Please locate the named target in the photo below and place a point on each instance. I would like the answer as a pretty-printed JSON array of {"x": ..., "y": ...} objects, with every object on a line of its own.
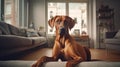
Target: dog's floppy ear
[
  {"x": 51, "y": 22},
  {"x": 71, "y": 22}
]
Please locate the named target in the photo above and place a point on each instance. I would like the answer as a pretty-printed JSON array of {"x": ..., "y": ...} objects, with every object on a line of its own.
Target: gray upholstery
[
  {"x": 13, "y": 40},
  {"x": 112, "y": 40},
  {"x": 19, "y": 63},
  {"x": 37, "y": 40},
  {"x": 4, "y": 28}
]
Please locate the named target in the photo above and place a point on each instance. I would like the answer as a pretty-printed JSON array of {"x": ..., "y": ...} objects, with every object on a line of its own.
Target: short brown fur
[{"x": 65, "y": 47}]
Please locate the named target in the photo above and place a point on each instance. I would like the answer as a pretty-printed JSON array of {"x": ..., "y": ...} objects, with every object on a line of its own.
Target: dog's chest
[
  {"x": 62, "y": 43},
  {"x": 64, "y": 48},
  {"x": 65, "y": 53}
]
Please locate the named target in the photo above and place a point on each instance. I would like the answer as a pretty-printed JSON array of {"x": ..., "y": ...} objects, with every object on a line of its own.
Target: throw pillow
[
  {"x": 32, "y": 33},
  {"x": 3, "y": 31},
  {"x": 22, "y": 32},
  {"x": 14, "y": 30},
  {"x": 41, "y": 33},
  {"x": 117, "y": 34},
  {"x": 4, "y": 28}
]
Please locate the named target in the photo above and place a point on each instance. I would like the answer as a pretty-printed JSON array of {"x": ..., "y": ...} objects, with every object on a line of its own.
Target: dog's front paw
[
  {"x": 34, "y": 65},
  {"x": 37, "y": 64}
]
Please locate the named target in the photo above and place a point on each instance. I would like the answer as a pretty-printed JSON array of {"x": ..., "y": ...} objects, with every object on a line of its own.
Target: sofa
[
  {"x": 112, "y": 40},
  {"x": 21, "y": 63},
  {"x": 14, "y": 40}
]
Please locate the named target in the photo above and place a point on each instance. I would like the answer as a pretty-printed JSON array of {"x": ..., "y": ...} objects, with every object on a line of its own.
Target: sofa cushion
[
  {"x": 23, "y": 32},
  {"x": 20, "y": 63},
  {"x": 14, "y": 30},
  {"x": 17, "y": 31},
  {"x": 117, "y": 35},
  {"x": 84, "y": 64},
  {"x": 12, "y": 41},
  {"x": 16, "y": 63},
  {"x": 32, "y": 33},
  {"x": 110, "y": 34},
  {"x": 4, "y": 28},
  {"x": 38, "y": 40},
  {"x": 41, "y": 33},
  {"x": 112, "y": 41},
  {"x": 3, "y": 31}
]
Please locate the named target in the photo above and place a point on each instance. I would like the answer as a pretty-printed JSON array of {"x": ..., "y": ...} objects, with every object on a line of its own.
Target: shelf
[{"x": 105, "y": 16}]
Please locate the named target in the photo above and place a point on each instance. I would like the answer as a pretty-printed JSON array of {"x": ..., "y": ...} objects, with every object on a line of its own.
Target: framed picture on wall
[{"x": 77, "y": 32}]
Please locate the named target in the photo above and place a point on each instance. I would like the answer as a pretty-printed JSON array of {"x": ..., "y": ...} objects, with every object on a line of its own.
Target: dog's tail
[{"x": 88, "y": 53}]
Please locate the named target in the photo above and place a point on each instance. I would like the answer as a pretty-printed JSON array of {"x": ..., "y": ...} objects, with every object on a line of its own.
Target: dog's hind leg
[
  {"x": 75, "y": 61},
  {"x": 88, "y": 53}
]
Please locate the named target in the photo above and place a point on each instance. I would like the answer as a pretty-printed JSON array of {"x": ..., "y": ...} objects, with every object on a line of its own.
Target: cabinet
[
  {"x": 105, "y": 18},
  {"x": 83, "y": 40}
]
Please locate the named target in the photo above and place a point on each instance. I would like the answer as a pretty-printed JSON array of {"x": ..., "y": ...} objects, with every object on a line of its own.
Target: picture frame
[{"x": 77, "y": 32}]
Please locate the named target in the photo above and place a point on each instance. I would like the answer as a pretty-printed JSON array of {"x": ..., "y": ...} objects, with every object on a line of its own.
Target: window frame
[{"x": 67, "y": 13}]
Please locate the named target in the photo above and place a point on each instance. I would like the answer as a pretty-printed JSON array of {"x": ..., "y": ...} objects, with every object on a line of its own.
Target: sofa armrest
[
  {"x": 58, "y": 64},
  {"x": 110, "y": 34},
  {"x": 112, "y": 41}
]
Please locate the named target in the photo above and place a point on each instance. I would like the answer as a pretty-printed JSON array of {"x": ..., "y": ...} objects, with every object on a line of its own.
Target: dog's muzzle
[{"x": 62, "y": 31}]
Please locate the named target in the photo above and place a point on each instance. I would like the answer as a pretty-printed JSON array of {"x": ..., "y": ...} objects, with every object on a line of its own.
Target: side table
[{"x": 83, "y": 40}]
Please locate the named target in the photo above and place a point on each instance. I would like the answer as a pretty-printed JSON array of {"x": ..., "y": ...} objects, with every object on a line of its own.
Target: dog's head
[{"x": 62, "y": 24}]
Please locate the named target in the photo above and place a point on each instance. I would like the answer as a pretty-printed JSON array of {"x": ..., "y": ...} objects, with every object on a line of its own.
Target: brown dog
[{"x": 65, "y": 47}]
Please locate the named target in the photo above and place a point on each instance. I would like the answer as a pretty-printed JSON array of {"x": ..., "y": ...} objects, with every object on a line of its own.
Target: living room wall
[
  {"x": 112, "y": 4},
  {"x": 37, "y": 13}
]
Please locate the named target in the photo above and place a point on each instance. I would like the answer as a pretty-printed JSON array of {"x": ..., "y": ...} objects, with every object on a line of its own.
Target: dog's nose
[{"x": 62, "y": 30}]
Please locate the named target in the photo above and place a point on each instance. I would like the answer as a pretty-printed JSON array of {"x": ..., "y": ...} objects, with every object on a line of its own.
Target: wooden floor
[{"x": 99, "y": 54}]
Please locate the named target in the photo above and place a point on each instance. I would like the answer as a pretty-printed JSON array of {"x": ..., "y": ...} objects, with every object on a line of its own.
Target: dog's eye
[{"x": 65, "y": 23}]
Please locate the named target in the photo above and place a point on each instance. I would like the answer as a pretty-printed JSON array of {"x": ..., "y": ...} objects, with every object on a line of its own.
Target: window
[
  {"x": 53, "y": 10},
  {"x": 16, "y": 12},
  {"x": 77, "y": 11},
  {"x": 10, "y": 11}
]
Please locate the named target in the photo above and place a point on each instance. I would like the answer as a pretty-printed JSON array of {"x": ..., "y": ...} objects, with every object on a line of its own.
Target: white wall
[{"x": 37, "y": 13}]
